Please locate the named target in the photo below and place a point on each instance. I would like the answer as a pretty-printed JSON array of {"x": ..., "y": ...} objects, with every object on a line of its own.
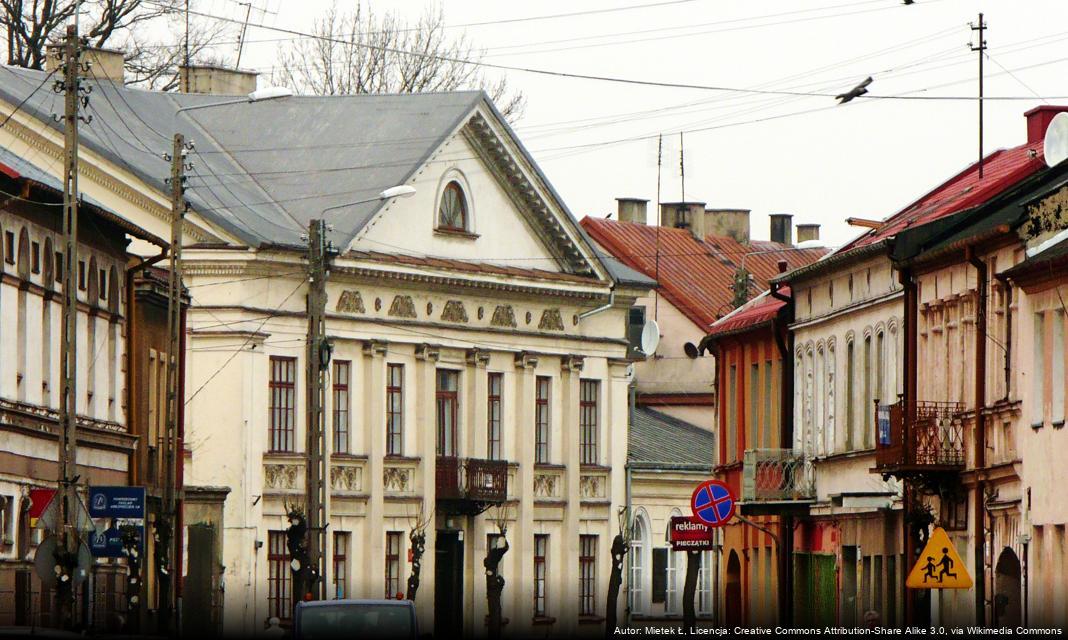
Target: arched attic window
[{"x": 452, "y": 208}]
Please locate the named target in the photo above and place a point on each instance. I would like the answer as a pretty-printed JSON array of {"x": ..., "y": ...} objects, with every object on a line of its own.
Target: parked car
[{"x": 355, "y": 619}]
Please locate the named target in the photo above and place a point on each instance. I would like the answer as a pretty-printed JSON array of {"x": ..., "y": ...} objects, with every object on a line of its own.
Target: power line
[{"x": 21, "y": 104}]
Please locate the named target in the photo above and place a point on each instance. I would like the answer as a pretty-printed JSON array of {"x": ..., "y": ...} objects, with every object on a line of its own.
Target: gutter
[
  {"x": 605, "y": 307},
  {"x": 967, "y": 244},
  {"x": 834, "y": 260}
]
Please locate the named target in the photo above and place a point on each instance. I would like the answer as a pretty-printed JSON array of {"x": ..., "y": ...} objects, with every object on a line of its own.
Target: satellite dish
[
  {"x": 1055, "y": 144},
  {"x": 44, "y": 561},
  {"x": 650, "y": 337},
  {"x": 691, "y": 350}
]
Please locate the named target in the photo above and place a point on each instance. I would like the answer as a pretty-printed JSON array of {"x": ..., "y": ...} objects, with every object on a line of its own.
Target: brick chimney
[
  {"x": 733, "y": 223},
  {"x": 632, "y": 210},
  {"x": 807, "y": 232},
  {"x": 684, "y": 215},
  {"x": 781, "y": 229},
  {"x": 216, "y": 81},
  {"x": 105, "y": 63},
  {"x": 1038, "y": 120}
]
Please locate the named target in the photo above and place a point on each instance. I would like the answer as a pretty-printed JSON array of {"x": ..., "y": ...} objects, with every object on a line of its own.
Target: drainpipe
[
  {"x": 980, "y": 431},
  {"x": 908, "y": 541},
  {"x": 604, "y": 307},
  {"x": 784, "y": 341},
  {"x": 632, "y": 397}
]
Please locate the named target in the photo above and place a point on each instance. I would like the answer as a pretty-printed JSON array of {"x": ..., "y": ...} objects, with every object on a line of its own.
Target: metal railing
[
  {"x": 935, "y": 438},
  {"x": 471, "y": 479},
  {"x": 777, "y": 475}
]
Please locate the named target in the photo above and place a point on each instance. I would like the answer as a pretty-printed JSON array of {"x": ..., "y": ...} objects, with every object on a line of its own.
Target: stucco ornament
[
  {"x": 545, "y": 485},
  {"x": 551, "y": 321},
  {"x": 503, "y": 316},
  {"x": 402, "y": 307},
  {"x": 346, "y": 478},
  {"x": 396, "y": 479},
  {"x": 454, "y": 311},
  {"x": 281, "y": 476},
  {"x": 350, "y": 302},
  {"x": 591, "y": 487}
]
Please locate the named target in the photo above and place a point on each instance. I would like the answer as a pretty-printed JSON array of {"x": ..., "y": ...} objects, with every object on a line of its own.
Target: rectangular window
[
  {"x": 704, "y": 585},
  {"x": 1038, "y": 403},
  {"x": 341, "y": 564},
  {"x": 1057, "y": 376},
  {"x": 732, "y": 415},
  {"x": 767, "y": 439},
  {"x": 279, "y": 592},
  {"x": 541, "y": 552},
  {"x": 671, "y": 590},
  {"x": 541, "y": 419},
  {"x": 588, "y": 423},
  {"x": 35, "y": 257},
  {"x": 395, "y": 410},
  {"x": 342, "y": 371},
  {"x": 751, "y": 422},
  {"x": 494, "y": 388},
  {"x": 587, "y": 575},
  {"x": 393, "y": 568},
  {"x": 283, "y": 403},
  {"x": 448, "y": 394},
  {"x": 103, "y": 284},
  {"x": 9, "y": 247},
  {"x": 850, "y": 418},
  {"x": 82, "y": 283},
  {"x": 868, "y": 409}
]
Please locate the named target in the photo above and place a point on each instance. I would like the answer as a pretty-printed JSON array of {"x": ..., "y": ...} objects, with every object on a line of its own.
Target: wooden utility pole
[
  {"x": 980, "y": 47},
  {"x": 68, "y": 542},
  {"x": 318, "y": 359},
  {"x": 167, "y": 525}
]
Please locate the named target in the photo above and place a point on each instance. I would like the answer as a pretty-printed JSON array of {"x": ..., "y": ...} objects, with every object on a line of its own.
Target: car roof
[{"x": 379, "y": 602}]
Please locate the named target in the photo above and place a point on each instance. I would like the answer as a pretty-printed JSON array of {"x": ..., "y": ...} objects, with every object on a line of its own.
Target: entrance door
[
  {"x": 448, "y": 585},
  {"x": 1007, "y": 589},
  {"x": 733, "y": 591}
]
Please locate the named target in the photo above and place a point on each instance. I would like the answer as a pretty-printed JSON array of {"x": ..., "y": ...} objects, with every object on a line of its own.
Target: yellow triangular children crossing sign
[{"x": 939, "y": 566}]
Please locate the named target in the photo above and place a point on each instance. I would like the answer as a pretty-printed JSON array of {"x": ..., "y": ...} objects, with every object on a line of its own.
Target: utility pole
[
  {"x": 168, "y": 522},
  {"x": 981, "y": 47},
  {"x": 75, "y": 95},
  {"x": 318, "y": 359}
]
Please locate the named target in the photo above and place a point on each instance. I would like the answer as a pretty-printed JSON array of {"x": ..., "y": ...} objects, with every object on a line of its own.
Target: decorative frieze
[
  {"x": 551, "y": 321},
  {"x": 546, "y": 485},
  {"x": 402, "y": 307},
  {"x": 592, "y": 486},
  {"x": 346, "y": 478},
  {"x": 503, "y": 316},
  {"x": 454, "y": 311},
  {"x": 397, "y": 479},
  {"x": 350, "y": 302},
  {"x": 282, "y": 476}
]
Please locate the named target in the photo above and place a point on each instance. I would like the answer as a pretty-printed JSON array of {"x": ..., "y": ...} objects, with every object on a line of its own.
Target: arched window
[
  {"x": 639, "y": 543},
  {"x": 829, "y": 398},
  {"x": 452, "y": 210},
  {"x": 673, "y": 577}
]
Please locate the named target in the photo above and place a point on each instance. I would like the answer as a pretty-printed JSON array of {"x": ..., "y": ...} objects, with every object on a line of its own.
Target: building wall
[{"x": 670, "y": 370}]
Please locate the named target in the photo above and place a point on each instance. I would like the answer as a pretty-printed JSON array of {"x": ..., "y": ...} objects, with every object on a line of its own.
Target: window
[
  {"x": 849, "y": 374},
  {"x": 452, "y": 212},
  {"x": 393, "y": 550},
  {"x": 9, "y": 247},
  {"x": 103, "y": 284},
  {"x": 279, "y": 592},
  {"x": 1057, "y": 375},
  {"x": 35, "y": 257},
  {"x": 82, "y": 283},
  {"x": 1038, "y": 404},
  {"x": 588, "y": 392},
  {"x": 283, "y": 403},
  {"x": 59, "y": 266},
  {"x": 342, "y": 371},
  {"x": 448, "y": 412},
  {"x": 341, "y": 564},
  {"x": 541, "y": 419},
  {"x": 867, "y": 409},
  {"x": 767, "y": 439},
  {"x": 493, "y": 416},
  {"x": 704, "y": 585},
  {"x": 880, "y": 369},
  {"x": 541, "y": 552},
  {"x": 637, "y": 567},
  {"x": 660, "y": 574},
  {"x": 671, "y": 577},
  {"x": 732, "y": 415},
  {"x": 587, "y": 575},
  {"x": 828, "y": 393},
  {"x": 751, "y": 423},
  {"x": 395, "y": 410}
]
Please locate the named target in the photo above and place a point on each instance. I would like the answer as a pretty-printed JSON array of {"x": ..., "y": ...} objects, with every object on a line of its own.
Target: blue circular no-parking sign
[{"x": 712, "y": 503}]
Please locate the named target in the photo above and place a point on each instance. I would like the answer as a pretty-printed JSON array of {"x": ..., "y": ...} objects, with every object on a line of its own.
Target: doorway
[
  {"x": 733, "y": 591},
  {"x": 1007, "y": 590},
  {"x": 448, "y": 584}
]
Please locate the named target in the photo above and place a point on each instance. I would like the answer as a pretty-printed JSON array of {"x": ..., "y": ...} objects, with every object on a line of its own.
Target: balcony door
[{"x": 448, "y": 387}]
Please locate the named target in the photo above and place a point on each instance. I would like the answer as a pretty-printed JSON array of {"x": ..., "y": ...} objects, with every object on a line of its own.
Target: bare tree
[
  {"x": 31, "y": 24},
  {"x": 363, "y": 52}
]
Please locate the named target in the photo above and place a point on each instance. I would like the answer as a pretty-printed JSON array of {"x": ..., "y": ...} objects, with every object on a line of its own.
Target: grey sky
[{"x": 867, "y": 159}]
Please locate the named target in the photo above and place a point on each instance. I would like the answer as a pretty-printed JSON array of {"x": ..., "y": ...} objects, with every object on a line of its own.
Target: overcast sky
[{"x": 867, "y": 159}]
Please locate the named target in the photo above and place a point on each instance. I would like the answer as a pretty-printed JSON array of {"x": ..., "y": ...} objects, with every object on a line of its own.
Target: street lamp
[{"x": 399, "y": 191}]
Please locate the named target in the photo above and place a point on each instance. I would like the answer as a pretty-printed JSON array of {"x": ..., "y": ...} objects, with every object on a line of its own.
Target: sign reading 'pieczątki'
[{"x": 690, "y": 534}]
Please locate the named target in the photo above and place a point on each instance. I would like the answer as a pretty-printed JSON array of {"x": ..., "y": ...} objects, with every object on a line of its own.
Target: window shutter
[{"x": 660, "y": 561}]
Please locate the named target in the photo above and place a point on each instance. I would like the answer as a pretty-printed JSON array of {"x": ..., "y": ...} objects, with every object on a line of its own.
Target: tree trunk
[
  {"x": 619, "y": 550},
  {"x": 494, "y": 587},
  {"x": 418, "y": 539},
  {"x": 689, "y": 609}
]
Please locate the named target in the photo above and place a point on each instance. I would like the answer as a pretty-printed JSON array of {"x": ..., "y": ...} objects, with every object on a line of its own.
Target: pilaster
[{"x": 374, "y": 428}]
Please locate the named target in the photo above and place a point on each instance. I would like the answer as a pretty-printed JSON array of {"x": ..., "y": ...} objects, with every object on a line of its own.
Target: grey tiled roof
[{"x": 657, "y": 438}]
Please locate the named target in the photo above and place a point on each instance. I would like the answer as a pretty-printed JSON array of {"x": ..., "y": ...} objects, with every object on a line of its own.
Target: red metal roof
[
  {"x": 1001, "y": 170},
  {"x": 756, "y": 312},
  {"x": 694, "y": 276}
]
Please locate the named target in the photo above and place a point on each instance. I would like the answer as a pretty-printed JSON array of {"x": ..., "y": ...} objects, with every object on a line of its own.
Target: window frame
[
  {"x": 394, "y": 546},
  {"x": 453, "y": 186},
  {"x": 342, "y": 540},
  {"x": 589, "y": 421},
  {"x": 494, "y": 413},
  {"x": 541, "y": 575},
  {"x": 394, "y": 412},
  {"x": 542, "y": 418},
  {"x": 279, "y": 578},
  {"x": 447, "y": 403},
  {"x": 340, "y": 387},
  {"x": 281, "y": 434},
  {"x": 587, "y": 574}
]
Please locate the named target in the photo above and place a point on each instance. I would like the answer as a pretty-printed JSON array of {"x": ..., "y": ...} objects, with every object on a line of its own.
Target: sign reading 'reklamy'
[{"x": 689, "y": 533}]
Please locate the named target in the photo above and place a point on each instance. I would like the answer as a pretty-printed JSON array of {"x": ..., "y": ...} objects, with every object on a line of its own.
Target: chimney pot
[
  {"x": 107, "y": 64},
  {"x": 782, "y": 266},
  {"x": 684, "y": 215},
  {"x": 733, "y": 223},
  {"x": 632, "y": 210},
  {"x": 215, "y": 80},
  {"x": 807, "y": 232},
  {"x": 1038, "y": 121},
  {"x": 781, "y": 230}
]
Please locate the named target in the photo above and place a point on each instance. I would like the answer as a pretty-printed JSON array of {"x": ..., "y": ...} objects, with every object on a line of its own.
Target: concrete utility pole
[
  {"x": 68, "y": 542},
  {"x": 168, "y": 524},
  {"x": 318, "y": 359}
]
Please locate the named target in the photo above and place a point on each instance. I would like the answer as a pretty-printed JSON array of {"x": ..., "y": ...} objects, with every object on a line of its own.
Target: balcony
[
  {"x": 777, "y": 482},
  {"x": 470, "y": 485},
  {"x": 933, "y": 443}
]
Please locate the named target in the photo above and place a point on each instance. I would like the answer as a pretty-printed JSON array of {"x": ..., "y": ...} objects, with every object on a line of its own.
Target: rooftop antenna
[
  {"x": 682, "y": 166},
  {"x": 981, "y": 47},
  {"x": 656, "y": 272}
]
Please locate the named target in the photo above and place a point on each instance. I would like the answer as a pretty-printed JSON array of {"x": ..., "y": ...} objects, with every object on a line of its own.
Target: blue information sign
[
  {"x": 109, "y": 542},
  {"x": 117, "y": 502},
  {"x": 883, "y": 418}
]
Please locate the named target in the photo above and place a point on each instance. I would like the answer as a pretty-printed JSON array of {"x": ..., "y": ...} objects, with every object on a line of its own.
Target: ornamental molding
[
  {"x": 281, "y": 476},
  {"x": 551, "y": 321},
  {"x": 572, "y": 364},
  {"x": 350, "y": 302},
  {"x": 526, "y": 360},
  {"x": 503, "y": 316},
  {"x": 402, "y": 307},
  {"x": 478, "y": 357},
  {"x": 346, "y": 478},
  {"x": 428, "y": 352},
  {"x": 546, "y": 485},
  {"x": 454, "y": 311},
  {"x": 397, "y": 479},
  {"x": 373, "y": 348},
  {"x": 592, "y": 486}
]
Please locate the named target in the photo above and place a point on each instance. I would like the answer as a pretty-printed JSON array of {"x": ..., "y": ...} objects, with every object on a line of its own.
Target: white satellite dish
[
  {"x": 1055, "y": 144},
  {"x": 650, "y": 337}
]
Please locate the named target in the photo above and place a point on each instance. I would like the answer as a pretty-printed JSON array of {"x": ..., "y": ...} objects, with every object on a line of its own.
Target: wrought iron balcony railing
[
  {"x": 777, "y": 475},
  {"x": 934, "y": 441},
  {"x": 479, "y": 482}
]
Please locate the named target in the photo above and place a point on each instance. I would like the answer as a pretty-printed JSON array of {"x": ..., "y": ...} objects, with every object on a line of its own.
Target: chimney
[
  {"x": 807, "y": 232},
  {"x": 781, "y": 228},
  {"x": 106, "y": 63},
  {"x": 632, "y": 210},
  {"x": 733, "y": 223},
  {"x": 1038, "y": 121},
  {"x": 216, "y": 81},
  {"x": 684, "y": 215}
]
